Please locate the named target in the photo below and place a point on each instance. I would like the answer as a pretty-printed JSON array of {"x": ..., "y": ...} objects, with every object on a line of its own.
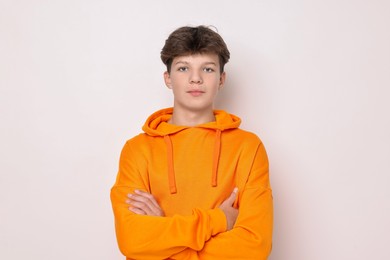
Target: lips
[{"x": 195, "y": 92}]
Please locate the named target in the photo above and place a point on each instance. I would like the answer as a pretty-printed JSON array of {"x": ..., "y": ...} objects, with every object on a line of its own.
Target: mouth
[{"x": 195, "y": 93}]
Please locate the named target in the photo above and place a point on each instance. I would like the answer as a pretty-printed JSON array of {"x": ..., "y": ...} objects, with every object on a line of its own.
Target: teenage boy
[{"x": 194, "y": 185}]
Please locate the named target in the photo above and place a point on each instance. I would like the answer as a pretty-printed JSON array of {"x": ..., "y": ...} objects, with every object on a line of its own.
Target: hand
[
  {"x": 230, "y": 212},
  {"x": 144, "y": 203}
]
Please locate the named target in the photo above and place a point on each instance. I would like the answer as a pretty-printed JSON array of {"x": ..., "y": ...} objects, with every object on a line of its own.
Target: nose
[{"x": 195, "y": 78}]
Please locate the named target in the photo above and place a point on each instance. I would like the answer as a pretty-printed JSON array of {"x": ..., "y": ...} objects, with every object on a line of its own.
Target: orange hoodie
[{"x": 191, "y": 171}]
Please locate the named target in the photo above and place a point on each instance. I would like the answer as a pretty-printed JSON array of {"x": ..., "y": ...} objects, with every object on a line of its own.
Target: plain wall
[{"x": 311, "y": 78}]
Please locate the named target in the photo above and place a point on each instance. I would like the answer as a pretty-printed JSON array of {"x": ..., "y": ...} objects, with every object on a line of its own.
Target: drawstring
[
  {"x": 217, "y": 152},
  {"x": 171, "y": 170}
]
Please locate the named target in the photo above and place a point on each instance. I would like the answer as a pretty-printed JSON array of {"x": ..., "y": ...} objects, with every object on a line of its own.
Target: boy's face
[{"x": 195, "y": 81}]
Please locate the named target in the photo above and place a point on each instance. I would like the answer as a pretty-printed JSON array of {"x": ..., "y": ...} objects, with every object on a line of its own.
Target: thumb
[{"x": 232, "y": 197}]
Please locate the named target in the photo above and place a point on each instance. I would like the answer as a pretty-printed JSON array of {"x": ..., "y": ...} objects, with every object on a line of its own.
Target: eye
[
  {"x": 208, "y": 70},
  {"x": 182, "y": 69}
]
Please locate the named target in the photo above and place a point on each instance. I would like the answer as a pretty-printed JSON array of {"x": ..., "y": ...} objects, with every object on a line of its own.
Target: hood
[{"x": 157, "y": 125}]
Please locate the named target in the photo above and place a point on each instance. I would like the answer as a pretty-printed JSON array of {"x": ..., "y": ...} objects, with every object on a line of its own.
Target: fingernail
[{"x": 235, "y": 190}]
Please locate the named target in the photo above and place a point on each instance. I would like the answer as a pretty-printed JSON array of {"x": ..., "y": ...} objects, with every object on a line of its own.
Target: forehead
[{"x": 199, "y": 58}]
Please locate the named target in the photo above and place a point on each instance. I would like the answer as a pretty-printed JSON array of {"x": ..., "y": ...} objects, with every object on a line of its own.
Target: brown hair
[{"x": 194, "y": 40}]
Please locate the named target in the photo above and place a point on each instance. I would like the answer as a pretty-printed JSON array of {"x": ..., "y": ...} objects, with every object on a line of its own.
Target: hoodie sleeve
[
  {"x": 150, "y": 237},
  {"x": 252, "y": 232}
]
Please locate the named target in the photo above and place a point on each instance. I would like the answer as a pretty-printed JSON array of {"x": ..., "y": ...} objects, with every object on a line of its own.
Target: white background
[{"x": 311, "y": 78}]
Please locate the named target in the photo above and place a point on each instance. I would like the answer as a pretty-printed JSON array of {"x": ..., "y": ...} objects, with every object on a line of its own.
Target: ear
[
  {"x": 167, "y": 79},
  {"x": 222, "y": 80}
]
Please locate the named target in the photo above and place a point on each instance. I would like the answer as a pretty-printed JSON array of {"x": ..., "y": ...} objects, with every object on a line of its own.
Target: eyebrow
[{"x": 186, "y": 63}]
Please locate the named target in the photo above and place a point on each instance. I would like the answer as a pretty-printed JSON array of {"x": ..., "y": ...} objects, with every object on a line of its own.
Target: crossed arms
[{"x": 143, "y": 232}]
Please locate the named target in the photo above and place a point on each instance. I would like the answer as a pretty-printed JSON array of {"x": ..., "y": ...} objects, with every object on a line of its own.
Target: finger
[
  {"x": 151, "y": 202},
  {"x": 232, "y": 197},
  {"x": 147, "y": 195},
  {"x": 145, "y": 204},
  {"x": 142, "y": 198},
  {"x": 137, "y": 211}
]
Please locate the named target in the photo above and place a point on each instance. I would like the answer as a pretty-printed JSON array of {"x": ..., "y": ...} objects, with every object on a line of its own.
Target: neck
[{"x": 191, "y": 118}]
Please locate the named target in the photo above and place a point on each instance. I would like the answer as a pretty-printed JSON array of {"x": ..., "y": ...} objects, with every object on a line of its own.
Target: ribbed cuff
[{"x": 218, "y": 221}]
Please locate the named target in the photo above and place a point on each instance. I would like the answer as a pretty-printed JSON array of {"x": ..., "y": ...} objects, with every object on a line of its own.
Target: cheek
[
  {"x": 217, "y": 83},
  {"x": 214, "y": 90},
  {"x": 179, "y": 80},
  {"x": 213, "y": 79}
]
